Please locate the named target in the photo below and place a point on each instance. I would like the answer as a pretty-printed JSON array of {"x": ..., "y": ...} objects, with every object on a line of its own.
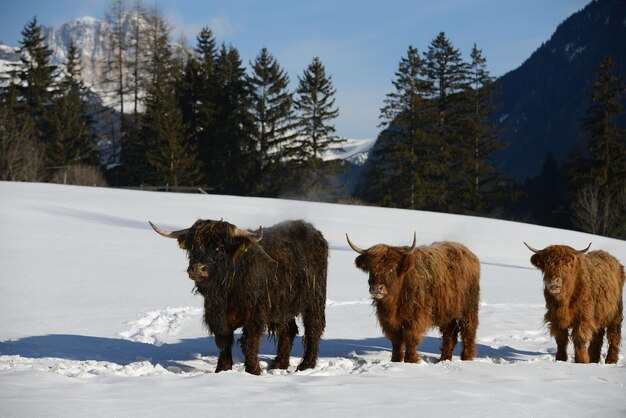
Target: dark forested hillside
[{"x": 542, "y": 103}]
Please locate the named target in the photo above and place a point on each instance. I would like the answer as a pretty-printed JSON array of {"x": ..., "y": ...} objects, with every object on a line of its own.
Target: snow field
[{"x": 98, "y": 318}]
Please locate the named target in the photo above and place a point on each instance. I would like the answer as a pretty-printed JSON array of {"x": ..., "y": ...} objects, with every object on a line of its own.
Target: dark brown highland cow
[
  {"x": 583, "y": 291},
  {"x": 259, "y": 281},
  {"x": 415, "y": 288}
]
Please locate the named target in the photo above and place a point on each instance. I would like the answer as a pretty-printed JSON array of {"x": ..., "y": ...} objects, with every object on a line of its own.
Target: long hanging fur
[
  {"x": 261, "y": 286},
  {"x": 433, "y": 286},
  {"x": 589, "y": 301}
]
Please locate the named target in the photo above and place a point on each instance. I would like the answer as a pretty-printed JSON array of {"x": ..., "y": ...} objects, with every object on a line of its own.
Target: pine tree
[
  {"x": 36, "y": 79},
  {"x": 198, "y": 102},
  {"x": 315, "y": 103},
  {"x": 486, "y": 187},
  {"x": 231, "y": 164},
  {"x": 315, "y": 107},
  {"x": 68, "y": 125},
  {"x": 399, "y": 168},
  {"x": 171, "y": 155},
  {"x": 448, "y": 73},
  {"x": 603, "y": 168},
  {"x": 272, "y": 109}
]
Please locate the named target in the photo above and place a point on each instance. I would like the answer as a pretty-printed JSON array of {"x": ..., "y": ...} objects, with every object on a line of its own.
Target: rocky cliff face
[{"x": 91, "y": 37}]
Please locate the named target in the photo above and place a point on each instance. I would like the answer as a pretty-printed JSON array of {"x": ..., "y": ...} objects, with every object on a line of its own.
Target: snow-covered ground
[{"x": 97, "y": 317}]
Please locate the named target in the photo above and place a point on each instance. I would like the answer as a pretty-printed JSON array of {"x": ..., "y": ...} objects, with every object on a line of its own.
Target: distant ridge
[{"x": 542, "y": 102}]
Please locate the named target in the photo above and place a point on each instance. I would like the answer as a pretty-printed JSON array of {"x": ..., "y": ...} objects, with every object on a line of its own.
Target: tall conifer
[
  {"x": 315, "y": 108},
  {"x": 36, "y": 78},
  {"x": 171, "y": 155},
  {"x": 485, "y": 187},
  {"x": 315, "y": 103},
  {"x": 399, "y": 169},
  {"x": 233, "y": 151},
  {"x": 448, "y": 73},
  {"x": 602, "y": 169},
  {"x": 272, "y": 109},
  {"x": 198, "y": 102},
  {"x": 68, "y": 125}
]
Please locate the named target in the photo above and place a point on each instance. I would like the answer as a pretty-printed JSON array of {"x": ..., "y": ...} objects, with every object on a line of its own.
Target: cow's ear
[
  {"x": 240, "y": 246},
  {"x": 181, "y": 241},
  {"x": 537, "y": 261},
  {"x": 406, "y": 263},
  {"x": 362, "y": 262}
]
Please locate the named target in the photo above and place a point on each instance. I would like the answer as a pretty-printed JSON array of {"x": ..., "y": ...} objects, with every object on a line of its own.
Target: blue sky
[{"x": 360, "y": 42}]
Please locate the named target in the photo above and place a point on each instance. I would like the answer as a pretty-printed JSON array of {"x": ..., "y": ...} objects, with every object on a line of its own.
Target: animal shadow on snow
[{"x": 124, "y": 352}]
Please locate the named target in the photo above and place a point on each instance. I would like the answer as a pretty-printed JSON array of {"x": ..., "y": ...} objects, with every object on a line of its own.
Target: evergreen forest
[{"x": 201, "y": 118}]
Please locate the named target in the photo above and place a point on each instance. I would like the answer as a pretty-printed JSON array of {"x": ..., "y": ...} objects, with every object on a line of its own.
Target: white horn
[
  {"x": 410, "y": 250},
  {"x": 354, "y": 247},
  {"x": 249, "y": 235},
  {"x": 168, "y": 234},
  {"x": 536, "y": 251}
]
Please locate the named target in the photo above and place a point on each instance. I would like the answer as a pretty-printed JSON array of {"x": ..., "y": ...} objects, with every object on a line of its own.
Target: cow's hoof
[
  {"x": 306, "y": 365},
  {"x": 255, "y": 370},
  {"x": 279, "y": 364},
  {"x": 223, "y": 367}
]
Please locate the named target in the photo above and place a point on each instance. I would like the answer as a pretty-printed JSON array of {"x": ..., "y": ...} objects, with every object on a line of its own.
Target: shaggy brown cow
[
  {"x": 415, "y": 288},
  {"x": 259, "y": 281},
  {"x": 583, "y": 291}
]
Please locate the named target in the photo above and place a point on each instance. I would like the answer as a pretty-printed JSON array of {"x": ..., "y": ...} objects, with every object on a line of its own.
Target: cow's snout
[
  {"x": 378, "y": 291},
  {"x": 198, "y": 271},
  {"x": 554, "y": 285}
]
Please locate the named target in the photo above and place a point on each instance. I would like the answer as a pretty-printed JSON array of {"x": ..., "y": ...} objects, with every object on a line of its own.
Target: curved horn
[
  {"x": 536, "y": 251},
  {"x": 168, "y": 234},
  {"x": 410, "y": 250},
  {"x": 354, "y": 247},
  {"x": 251, "y": 236},
  {"x": 585, "y": 250}
]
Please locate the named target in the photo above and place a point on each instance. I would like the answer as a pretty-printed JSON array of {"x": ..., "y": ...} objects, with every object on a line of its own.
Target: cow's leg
[
  {"x": 595, "y": 346},
  {"x": 249, "y": 343},
  {"x": 449, "y": 336},
  {"x": 412, "y": 338},
  {"x": 314, "y": 324},
  {"x": 286, "y": 335},
  {"x": 614, "y": 336},
  {"x": 469, "y": 323},
  {"x": 225, "y": 344},
  {"x": 581, "y": 334},
  {"x": 411, "y": 355},
  {"x": 562, "y": 339},
  {"x": 397, "y": 347}
]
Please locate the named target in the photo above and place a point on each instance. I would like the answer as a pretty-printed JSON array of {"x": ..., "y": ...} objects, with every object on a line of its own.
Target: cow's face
[
  {"x": 386, "y": 267},
  {"x": 559, "y": 264},
  {"x": 209, "y": 245},
  {"x": 212, "y": 246}
]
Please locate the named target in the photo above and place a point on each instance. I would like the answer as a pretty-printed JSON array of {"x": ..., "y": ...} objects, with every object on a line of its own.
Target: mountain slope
[{"x": 543, "y": 101}]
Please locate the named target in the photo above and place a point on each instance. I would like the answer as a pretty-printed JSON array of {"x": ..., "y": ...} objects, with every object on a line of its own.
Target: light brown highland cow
[
  {"x": 583, "y": 291},
  {"x": 415, "y": 288}
]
